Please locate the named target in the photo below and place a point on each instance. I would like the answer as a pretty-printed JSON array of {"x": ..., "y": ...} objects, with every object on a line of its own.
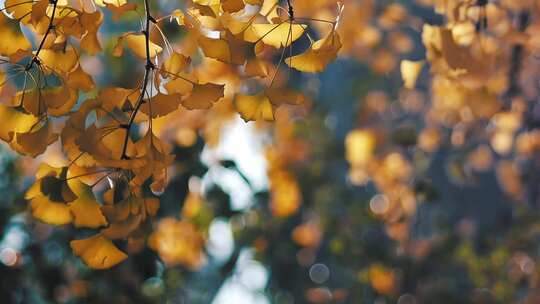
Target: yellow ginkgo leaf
[
  {"x": 85, "y": 209},
  {"x": 122, "y": 229},
  {"x": 179, "y": 17},
  {"x": 320, "y": 54},
  {"x": 13, "y": 34},
  {"x": 51, "y": 182},
  {"x": 15, "y": 122},
  {"x": 18, "y": 8},
  {"x": 182, "y": 85},
  {"x": 60, "y": 61},
  {"x": 80, "y": 80},
  {"x": 39, "y": 11},
  {"x": 231, "y": 6},
  {"x": 175, "y": 64},
  {"x": 161, "y": 105},
  {"x": 97, "y": 252},
  {"x": 116, "y": 3},
  {"x": 203, "y": 96},
  {"x": 119, "y": 11},
  {"x": 56, "y": 101},
  {"x": 50, "y": 212},
  {"x": 215, "y": 48},
  {"x": 50, "y": 194},
  {"x": 283, "y": 96},
  {"x": 256, "y": 67},
  {"x": 278, "y": 35},
  {"x": 234, "y": 25},
  {"x": 91, "y": 22},
  {"x": 410, "y": 70},
  {"x": 34, "y": 143},
  {"x": 137, "y": 44},
  {"x": 254, "y": 107}
]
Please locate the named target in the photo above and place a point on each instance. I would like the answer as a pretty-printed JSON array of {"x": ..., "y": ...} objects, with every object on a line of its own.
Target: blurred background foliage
[{"x": 359, "y": 197}]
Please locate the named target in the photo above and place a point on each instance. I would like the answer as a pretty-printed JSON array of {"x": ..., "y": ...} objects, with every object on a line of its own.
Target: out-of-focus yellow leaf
[
  {"x": 285, "y": 194},
  {"x": 137, "y": 44},
  {"x": 215, "y": 48},
  {"x": 360, "y": 146},
  {"x": 116, "y": 3},
  {"x": 119, "y": 11},
  {"x": 178, "y": 242},
  {"x": 410, "y": 70},
  {"x": 12, "y": 37}
]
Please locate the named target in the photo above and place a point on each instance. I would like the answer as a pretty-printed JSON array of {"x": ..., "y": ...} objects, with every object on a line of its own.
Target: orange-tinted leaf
[
  {"x": 161, "y": 105},
  {"x": 203, "y": 96},
  {"x": 34, "y": 143}
]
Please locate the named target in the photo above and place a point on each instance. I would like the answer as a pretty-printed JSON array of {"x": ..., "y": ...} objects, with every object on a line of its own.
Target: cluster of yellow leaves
[
  {"x": 59, "y": 197},
  {"x": 247, "y": 37},
  {"x": 470, "y": 59},
  {"x": 473, "y": 103},
  {"x": 45, "y": 80}
]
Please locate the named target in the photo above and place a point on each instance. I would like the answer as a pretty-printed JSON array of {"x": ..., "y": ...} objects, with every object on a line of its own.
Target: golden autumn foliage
[
  {"x": 240, "y": 59},
  {"x": 50, "y": 97},
  {"x": 369, "y": 183}
]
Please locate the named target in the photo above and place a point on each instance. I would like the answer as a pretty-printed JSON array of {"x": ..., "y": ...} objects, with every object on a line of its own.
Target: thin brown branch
[
  {"x": 49, "y": 28},
  {"x": 147, "y": 70}
]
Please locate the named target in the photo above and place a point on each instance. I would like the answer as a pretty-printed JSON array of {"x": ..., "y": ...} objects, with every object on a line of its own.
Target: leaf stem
[
  {"x": 147, "y": 70},
  {"x": 35, "y": 58}
]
